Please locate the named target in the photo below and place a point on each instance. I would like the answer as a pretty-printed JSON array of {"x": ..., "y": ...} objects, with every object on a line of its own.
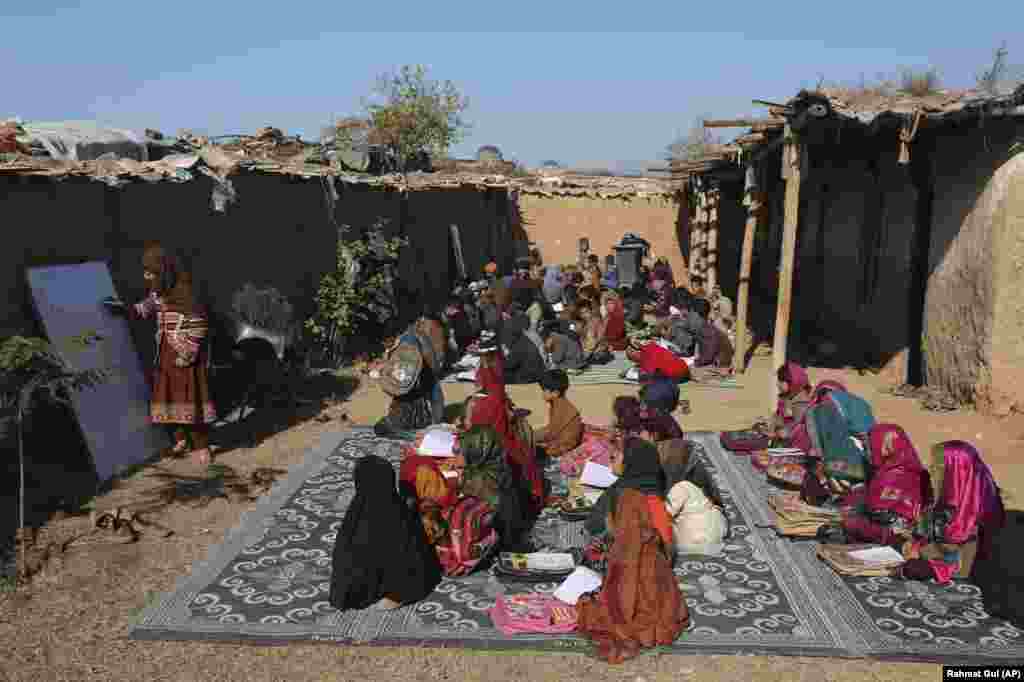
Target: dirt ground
[{"x": 71, "y": 622}]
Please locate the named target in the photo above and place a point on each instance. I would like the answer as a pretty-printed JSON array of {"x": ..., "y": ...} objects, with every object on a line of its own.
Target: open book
[
  {"x": 597, "y": 476},
  {"x": 438, "y": 443}
]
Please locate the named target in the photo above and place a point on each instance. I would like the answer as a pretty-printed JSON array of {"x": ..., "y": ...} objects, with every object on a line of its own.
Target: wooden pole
[
  {"x": 697, "y": 235},
  {"x": 712, "y": 250},
  {"x": 791, "y": 171},
  {"x": 745, "y": 122},
  {"x": 746, "y": 261}
]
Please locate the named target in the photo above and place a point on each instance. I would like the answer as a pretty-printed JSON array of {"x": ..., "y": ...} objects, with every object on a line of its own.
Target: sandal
[{"x": 180, "y": 448}]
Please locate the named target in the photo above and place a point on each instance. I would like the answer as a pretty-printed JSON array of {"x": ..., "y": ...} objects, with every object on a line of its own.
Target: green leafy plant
[
  {"x": 32, "y": 371},
  {"x": 360, "y": 289},
  {"x": 411, "y": 115}
]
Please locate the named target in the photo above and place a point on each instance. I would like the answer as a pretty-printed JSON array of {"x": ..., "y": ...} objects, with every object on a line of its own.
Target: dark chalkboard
[{"x": 114, "y": 417}]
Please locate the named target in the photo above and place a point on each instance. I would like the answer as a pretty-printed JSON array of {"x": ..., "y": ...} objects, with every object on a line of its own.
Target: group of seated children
[
  {"x": 941, "y": 513},
  {"x": 446, "y": 518}
]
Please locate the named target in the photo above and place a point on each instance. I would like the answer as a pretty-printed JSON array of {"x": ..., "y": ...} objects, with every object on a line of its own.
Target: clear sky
[{"x": 575, "y": 93}]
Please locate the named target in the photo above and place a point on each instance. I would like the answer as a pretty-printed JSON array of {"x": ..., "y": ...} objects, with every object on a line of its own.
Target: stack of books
[{"x": 795, "y": 518}]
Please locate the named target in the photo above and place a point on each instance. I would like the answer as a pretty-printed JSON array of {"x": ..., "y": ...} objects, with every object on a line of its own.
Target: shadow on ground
[
  {"x": 274, "y": 414},
  {"x": 59, "y": 477}
]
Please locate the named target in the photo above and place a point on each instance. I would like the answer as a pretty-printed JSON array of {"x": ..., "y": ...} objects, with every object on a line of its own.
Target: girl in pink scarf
[
  {"x": 967, "y": 513},
  {"x": 896, "y": 495},
  {"x": 794, "y": 399}
]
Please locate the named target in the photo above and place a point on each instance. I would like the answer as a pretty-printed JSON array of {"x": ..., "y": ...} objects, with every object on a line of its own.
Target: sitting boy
[
  {"x": 564, "y": 430},
  {"x": 714, "y": 348},
  {"x": 653, "y": 359}
]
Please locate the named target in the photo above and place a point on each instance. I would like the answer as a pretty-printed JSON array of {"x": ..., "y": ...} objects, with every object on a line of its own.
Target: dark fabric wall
[{"x": 279, "y": 233}]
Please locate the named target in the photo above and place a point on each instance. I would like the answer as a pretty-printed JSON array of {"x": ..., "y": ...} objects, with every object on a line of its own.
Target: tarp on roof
[{"x": 85, "y": 141}]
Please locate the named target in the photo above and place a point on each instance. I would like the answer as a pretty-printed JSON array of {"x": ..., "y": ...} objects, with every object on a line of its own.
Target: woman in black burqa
[{"x": 381, "y": 558}]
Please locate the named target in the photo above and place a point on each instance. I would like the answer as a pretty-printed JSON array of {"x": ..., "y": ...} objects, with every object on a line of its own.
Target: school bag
[{"x": 471, "y": 536}]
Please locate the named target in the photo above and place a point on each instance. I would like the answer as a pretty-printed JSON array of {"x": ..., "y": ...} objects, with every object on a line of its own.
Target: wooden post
[
  {"x": 712, "y": 242},
  {"x": 791, "y": 157},
  {"x": 697, "y": 235},
  {"x": 754, "y": 203},
  {"x": 702, "y": 237}
]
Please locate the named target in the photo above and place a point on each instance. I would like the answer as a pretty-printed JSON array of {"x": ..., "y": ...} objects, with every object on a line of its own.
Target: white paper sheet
[
  {"x": 877, "y": 555},
  {"x": 579, "y": 582},
  {"x": 438, "y": 443},
  {"x": 783, "y": 452},
  {"x": 597, "y": 475}
]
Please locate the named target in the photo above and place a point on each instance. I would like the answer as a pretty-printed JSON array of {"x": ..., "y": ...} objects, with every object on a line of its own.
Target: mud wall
[
  {"x": 556, "y": 224},
  {"x": 973, "y": 314}
]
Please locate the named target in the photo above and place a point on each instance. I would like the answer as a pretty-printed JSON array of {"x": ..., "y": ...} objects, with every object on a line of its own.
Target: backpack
[{"x": 471, "y": 536}]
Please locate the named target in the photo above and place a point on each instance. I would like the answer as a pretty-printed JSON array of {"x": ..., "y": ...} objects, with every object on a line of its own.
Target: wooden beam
[
  {"x": 766, "y": 103},
  {"x": 751, "y": 138},
  {"x": 743, "y": 297},
  {"x": 744, "y": 122},
  {"x": 791, "y": 170}
]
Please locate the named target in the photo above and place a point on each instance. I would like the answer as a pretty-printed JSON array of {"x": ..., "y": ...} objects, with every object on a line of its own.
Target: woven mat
[{"x": 267, "y": 583}]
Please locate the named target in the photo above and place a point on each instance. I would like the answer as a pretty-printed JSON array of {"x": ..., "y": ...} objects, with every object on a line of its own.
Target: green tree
[
  {"x": 412, "y": 115},
  {"x": 698, "y": 142}
]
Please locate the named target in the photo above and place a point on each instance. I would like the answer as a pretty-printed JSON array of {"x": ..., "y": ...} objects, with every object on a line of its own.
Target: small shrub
[
  {"x": 919, "y": 83},
  {"x": 359, "y": 291}
]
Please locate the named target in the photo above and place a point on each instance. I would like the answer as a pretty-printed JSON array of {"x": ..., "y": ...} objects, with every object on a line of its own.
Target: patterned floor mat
[{"x": 268, "y": 583}]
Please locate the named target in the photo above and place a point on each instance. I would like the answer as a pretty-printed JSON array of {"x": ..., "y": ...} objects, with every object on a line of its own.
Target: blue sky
[{"x": 572, "y": 93}]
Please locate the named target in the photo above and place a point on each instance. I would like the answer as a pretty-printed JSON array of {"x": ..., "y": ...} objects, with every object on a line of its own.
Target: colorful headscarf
[
  {"x": 482, "y": 448},
  {"x": 970, "y": 490},
  {"x": 796, "y": 377},
  {"x": 493, "y": 410},
  {"x": 899, "y": 482},
  {"x": 855, "y": 410}
]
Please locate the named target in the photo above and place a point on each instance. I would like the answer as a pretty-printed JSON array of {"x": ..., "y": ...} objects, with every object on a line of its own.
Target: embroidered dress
[{"x": 181, "y": 387}]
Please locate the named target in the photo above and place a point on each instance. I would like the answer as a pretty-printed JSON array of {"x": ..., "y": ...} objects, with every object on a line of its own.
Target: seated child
[
  {"x": 615, "y": 323},
  {"x": 715, "y": 349},
  {"x": 564, "y": 350},
  {"x": 592, "y": 333},
  {"x": 564, "y": 430}
]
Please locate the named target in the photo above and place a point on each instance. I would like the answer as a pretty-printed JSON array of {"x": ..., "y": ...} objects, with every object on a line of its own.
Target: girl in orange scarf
[{"x": 640, "y": 604}]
